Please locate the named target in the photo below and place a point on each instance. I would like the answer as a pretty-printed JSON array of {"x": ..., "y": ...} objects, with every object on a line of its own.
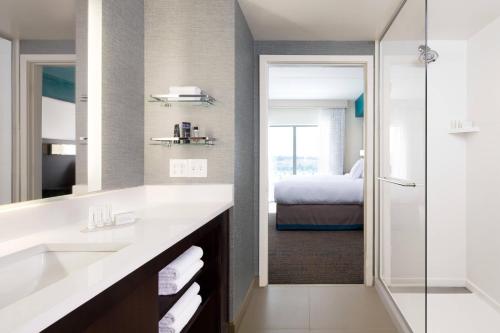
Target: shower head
[{"x": 427, "y": 54}]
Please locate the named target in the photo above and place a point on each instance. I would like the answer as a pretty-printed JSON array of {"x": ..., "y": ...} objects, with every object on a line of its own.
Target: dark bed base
[{"x": 319, "y": 217}]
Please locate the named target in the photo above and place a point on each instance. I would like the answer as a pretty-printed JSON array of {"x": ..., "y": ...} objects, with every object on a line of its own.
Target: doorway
[
  {"x": 46, "y": 127},
  {"x": 303, "y": 146}
]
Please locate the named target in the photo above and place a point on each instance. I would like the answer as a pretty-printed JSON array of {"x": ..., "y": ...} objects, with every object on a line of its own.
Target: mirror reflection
[{"x": 42, "y": 99}]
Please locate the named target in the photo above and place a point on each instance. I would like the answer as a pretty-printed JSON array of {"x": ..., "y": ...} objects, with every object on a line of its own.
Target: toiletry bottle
[
  {"x": 177, "y": 132},
  {"x": 196, "y": 132},
  {"x": 186, "y": 131}
]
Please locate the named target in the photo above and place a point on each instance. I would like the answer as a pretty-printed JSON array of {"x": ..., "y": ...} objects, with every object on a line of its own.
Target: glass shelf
[
  {"x": 463, "y": 130},
  {"x": 193, "y": 141},
  {"x": 195, "y": 100}
]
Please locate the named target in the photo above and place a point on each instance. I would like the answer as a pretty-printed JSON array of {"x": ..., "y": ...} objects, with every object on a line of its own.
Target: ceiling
[
  {"x": 315, "y": 82},
  {"x": 355, "y": 20},
  {"x": 352, "y": 20},
  {"x": 460, "y": 19},
  {"x": 37, "y": 19}
]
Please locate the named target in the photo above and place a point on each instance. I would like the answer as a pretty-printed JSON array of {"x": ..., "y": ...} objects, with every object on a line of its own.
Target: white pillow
[{"x": 357, "y": 169}]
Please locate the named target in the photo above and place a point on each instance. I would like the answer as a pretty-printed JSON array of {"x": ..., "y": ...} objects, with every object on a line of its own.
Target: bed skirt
[{"x": 319, "y": 217}]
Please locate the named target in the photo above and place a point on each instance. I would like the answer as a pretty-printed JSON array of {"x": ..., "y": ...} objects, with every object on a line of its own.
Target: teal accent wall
[
  {"x": 59, "y": 83},
  {"x": 359, "y": 106}
]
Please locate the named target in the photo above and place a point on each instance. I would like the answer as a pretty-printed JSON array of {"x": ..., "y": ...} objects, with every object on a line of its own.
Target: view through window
[{"x": 293, "y": 150}]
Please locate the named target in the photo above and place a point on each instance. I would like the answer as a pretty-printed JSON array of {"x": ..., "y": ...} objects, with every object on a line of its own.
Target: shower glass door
[{"x": 402, "y": 169}]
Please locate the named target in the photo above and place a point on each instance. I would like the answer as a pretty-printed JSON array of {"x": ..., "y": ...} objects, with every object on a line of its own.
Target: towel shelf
[
  {"x": 193, "y": 141},
  {"x": 195, "y": 316},
  {"x": 169, "y": 100},
  {"x": 167, "y": 301}
]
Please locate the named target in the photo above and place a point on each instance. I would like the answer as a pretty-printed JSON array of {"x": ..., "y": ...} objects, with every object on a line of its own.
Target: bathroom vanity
[{"x": 73, "y": 280}]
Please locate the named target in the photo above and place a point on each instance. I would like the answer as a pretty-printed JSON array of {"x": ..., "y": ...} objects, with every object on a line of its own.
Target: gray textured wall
[
  {"x": 206, "y": 44},
  {"x": 122, "y": 93},
  {"x": 81, "y": 89},
  {"x": 190, "y": 42},
  {"x": 244, "y": 218},
  {"x": 47, "y": 46},
  {"x": 292, "y": 48}
]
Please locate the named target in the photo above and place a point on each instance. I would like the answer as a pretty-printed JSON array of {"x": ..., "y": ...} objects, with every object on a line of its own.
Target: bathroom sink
[{"x": 27, "y": 271}]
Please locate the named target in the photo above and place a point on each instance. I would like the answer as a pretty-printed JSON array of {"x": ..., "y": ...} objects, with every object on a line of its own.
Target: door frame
[
  {"x": 368, "y": 63},
  {"x": 28, "y": 180}
]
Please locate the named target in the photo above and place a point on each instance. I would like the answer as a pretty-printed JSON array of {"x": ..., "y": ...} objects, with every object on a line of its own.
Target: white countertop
[{"x": 159, "y": 227}]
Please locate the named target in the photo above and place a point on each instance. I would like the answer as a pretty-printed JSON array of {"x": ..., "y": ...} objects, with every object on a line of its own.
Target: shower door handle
[{"x": 400, "y": 182}]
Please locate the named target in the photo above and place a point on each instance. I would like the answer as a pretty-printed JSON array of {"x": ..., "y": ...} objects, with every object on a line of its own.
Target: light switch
[
  {"x": 179, "y": 168},
  {"x": 198, "y": 168}
]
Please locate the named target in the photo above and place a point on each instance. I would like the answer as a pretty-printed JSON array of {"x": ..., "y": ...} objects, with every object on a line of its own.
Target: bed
[{"x": 332, "y": 202}]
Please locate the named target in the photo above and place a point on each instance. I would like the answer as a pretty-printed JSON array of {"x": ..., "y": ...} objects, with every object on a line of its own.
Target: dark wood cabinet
[{"x": 133, "y": 304}]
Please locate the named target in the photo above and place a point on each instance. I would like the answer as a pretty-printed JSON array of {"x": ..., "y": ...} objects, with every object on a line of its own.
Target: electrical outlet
[
  {"x": 179, "y": 168},
  {"x": 198, "y": 168}
]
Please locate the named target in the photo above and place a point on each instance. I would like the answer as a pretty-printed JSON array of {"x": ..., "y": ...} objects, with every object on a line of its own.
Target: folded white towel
[
  {"x": 183, "y": 319},
  {"x": 181, "y": 264},
  {"x": 185, "y": 90},
  {"x": 172, "y": 287},
  {"x": 177, "y": 310},
  {"x": 184, "y": 99}
]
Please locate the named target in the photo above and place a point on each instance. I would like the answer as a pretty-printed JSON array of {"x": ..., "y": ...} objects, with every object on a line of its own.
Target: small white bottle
[
  {"x": 99, "y": 216},
  {"x": 91, "y": 221},
  {"x": 108, "y": 215}
]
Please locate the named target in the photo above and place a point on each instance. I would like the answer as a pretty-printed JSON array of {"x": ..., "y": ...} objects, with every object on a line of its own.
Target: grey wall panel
[
  {"x": 190, "y": 42},
  {"x": 123, "y": 93},
  {"x": 206, "y": 44},
  {"x": 47, "y": 47},
  {"x": 81, "y": 89},
  {"x": 245, "y": 219}
]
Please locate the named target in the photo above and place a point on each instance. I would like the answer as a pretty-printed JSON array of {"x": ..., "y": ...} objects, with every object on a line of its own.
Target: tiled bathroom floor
[{"x": 316, "y": 308}]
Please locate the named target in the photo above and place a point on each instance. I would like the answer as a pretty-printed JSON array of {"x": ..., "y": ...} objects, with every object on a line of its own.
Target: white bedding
[{"x": 335, "y": 189}]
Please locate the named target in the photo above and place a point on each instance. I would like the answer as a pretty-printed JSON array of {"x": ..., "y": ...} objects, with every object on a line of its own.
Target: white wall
[
  {"x": 280, "y": 116},
  {"x": 58, "y": 119},
  {"x": 483, "y": 160},
  {"x": 447, "y": 100},
  {"x": 5, "y": 121}
]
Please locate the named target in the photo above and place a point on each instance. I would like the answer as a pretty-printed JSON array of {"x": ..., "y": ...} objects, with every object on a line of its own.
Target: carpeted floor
[{"x": 315, "y": 257}]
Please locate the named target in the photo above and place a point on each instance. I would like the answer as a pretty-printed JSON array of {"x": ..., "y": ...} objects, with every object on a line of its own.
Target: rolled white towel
[
  {"x": 183, "y": 317},
  {"x": 185, "y": 90},
  {"x": 173, "y": 287},
  {"x": 181, "y": 264},
  {"x": 177, "y": 310}
]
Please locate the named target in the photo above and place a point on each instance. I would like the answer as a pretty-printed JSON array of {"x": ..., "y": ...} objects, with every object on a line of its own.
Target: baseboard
[
  {"x": 238, "y": 317},
  {"x": 481, "y": 293},
  {"x": 396, "y": 316}
]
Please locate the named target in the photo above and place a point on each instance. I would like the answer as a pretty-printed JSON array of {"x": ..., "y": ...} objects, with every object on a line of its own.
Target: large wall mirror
[{"x": 43, "y": 103}]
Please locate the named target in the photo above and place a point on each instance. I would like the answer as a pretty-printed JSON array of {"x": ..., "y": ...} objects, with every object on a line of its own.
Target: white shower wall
[
  {"x": 463, "y": 181},
  {"x": 483, "y": 160},
  {"x": 446, "y": 189}
]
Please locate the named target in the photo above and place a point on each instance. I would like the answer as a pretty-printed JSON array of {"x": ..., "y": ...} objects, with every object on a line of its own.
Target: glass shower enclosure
[{"x": 402, "y": 162}]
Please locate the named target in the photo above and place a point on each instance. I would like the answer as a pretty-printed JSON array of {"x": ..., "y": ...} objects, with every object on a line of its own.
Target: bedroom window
[{"x": 293, "y": 150}]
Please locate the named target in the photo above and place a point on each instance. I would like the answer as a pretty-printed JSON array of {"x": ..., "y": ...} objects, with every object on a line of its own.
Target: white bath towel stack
[
  {"x": 184, "y": 90},
  {"x": 182, "y": 318},
  {"x": 182, "y": 311},
  {"x": 179, "y": 272}
]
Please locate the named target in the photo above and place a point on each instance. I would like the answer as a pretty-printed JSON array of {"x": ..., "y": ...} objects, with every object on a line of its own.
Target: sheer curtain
[{"x": 332, "y": 134}]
